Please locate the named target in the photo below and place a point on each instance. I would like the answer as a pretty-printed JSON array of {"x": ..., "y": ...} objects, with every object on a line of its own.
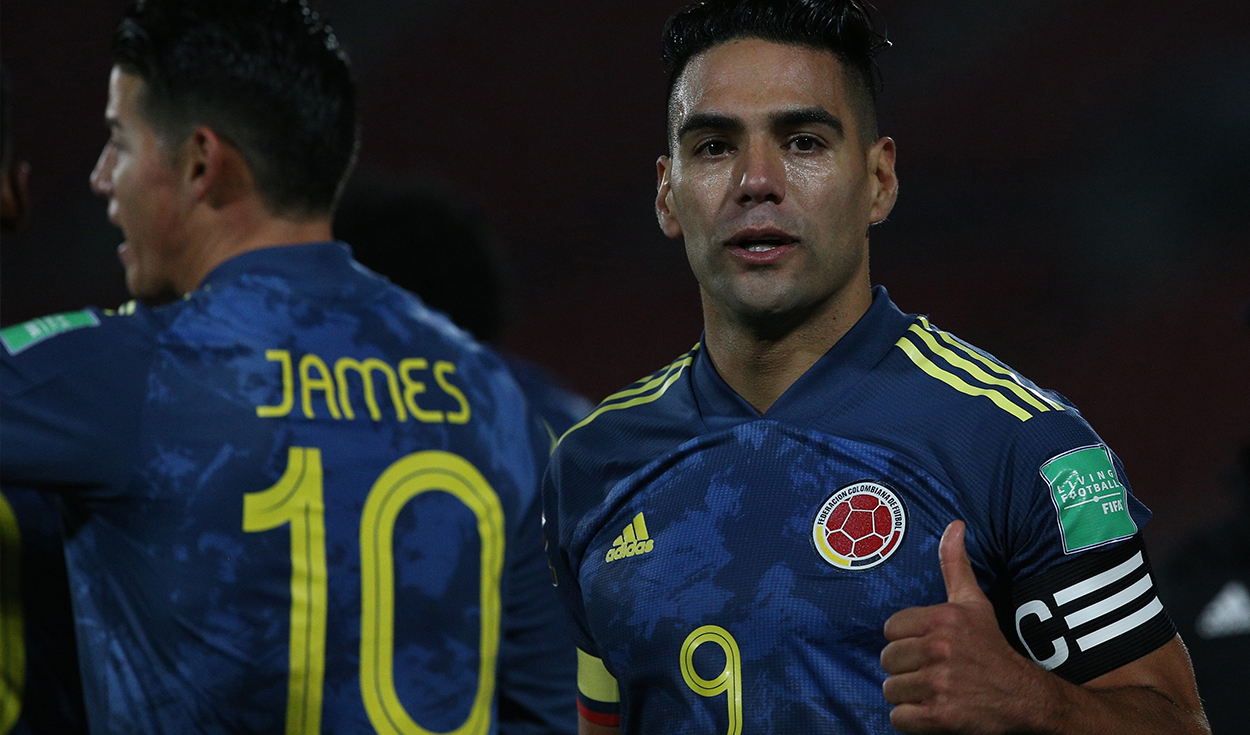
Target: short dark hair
[
  {"x": 427, "y": 240},
  {"x": 269, "y": 76},
  {"x": 843, "y": 27}
]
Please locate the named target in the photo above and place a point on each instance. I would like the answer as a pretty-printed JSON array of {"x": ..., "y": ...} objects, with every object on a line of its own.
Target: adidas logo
[{"x": 634, "y": 541}]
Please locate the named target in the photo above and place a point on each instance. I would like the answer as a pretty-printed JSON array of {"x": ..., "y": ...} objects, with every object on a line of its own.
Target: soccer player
[
  {"x": 441, "y": 249},
  {"x": 296, "y": 500},
  {"x": 827, "y": 497},
  {"x": 39, "y": 684}
]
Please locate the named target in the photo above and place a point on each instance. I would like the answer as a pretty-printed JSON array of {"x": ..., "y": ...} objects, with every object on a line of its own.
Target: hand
[{"x": 951, "y": 669}]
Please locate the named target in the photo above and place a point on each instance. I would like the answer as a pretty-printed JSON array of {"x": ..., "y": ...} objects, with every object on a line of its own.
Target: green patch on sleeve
[
  {"x": 20, "y": 336},
  {"x": 1090, "y": 499}
]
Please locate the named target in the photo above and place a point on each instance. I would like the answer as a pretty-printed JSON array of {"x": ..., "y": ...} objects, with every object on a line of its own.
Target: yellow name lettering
[
  {"x": 288, "y": 386},
  {"x": 413, "y": 388},
  {"x": 442, "y": 369},
  {"x": 365, "y": 371},
  {"x": 323, "y": 382},
  {"x": 314, "y": 382}
]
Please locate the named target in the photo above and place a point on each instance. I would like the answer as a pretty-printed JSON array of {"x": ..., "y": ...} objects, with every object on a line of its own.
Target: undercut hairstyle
[
  {"x": 268, "y": 76},
  {"x": 842, "y": 27}
]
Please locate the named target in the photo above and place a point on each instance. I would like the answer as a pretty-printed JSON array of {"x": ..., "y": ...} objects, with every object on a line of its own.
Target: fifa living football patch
[
  {"x": 20, "y": 336},
  {"x": 1090, "y": 499}
]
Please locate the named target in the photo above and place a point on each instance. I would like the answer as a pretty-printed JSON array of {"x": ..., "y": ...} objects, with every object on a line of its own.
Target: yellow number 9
[{"x": 729, "y": 680}]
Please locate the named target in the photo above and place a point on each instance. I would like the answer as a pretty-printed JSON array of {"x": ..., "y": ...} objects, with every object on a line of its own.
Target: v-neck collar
[{"x": 849, "y": 360}]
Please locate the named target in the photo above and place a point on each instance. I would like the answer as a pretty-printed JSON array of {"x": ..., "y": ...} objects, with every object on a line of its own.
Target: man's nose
[
  {"x": 102, "y": 175},
  {"x": 761, "y": 175}
]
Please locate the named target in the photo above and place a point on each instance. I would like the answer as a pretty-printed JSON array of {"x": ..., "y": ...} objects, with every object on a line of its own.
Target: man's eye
[
  {"x": 713, "y": 148},
  {"x": 805, "y": 143}
]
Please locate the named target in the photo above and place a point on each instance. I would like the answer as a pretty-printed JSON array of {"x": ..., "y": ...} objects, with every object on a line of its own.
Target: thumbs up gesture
[{"x": 950, "y": 668}]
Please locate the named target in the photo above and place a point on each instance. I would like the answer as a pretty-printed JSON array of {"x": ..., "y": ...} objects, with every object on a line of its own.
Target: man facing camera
[
  {"x": 295, "y": 499},
  {"x": 831, "y": 516}
]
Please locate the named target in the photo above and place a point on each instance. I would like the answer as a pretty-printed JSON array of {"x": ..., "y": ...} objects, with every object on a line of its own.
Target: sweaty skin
[
  {"x": 773, "y": 188},
  {"x": 767, "y": 153}
]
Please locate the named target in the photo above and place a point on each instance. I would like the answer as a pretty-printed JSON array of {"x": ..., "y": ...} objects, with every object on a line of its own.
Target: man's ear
[
  {"x": 885, "y": 180},
  {"x": 664, "y": 198},
  {"x": 213, "y": 169}
]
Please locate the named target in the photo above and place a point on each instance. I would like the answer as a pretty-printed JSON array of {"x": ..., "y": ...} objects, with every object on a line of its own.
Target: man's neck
[
  {"x": 759, "y": 364},
  {"x": 235, "y": 233}
]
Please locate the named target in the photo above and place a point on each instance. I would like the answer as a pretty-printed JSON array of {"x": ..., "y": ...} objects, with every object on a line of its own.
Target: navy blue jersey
[
  {"x": 40, "y": 690},
  {"x": 555, "y": 403},
  {"x": 294, "y": 500},
  {"x": 732, "y": 572}
]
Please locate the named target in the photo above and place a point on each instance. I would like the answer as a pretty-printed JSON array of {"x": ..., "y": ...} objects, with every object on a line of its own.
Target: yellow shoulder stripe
[
  {"x": 952, "y": 341},
  {"x": 974, "y": 370},
  {"x": 954, "y": 381},
  {"x": 639, "y": 395},
  {"x": 594, "y": 681}
]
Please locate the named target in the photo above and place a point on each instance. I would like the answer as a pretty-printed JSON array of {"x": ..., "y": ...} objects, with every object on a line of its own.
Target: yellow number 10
[
  {"x": 729, "y": 681},
  {"x": 297, "y": 499}
]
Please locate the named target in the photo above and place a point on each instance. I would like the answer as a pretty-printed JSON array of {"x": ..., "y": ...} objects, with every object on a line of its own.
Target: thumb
[{"x": 961, "y": 581}]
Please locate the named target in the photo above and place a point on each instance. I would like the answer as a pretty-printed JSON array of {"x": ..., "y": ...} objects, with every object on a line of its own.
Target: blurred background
[{"x": 1074, "y": 191}]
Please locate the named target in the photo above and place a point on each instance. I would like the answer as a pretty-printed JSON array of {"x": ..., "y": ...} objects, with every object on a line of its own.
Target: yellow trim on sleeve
[
  {"x": 975, "y": 371},
  {"x": 952, "y": 341},
  {"x": 594, "y": 681},
  {"x": 954, "y": 381},
  {"x": 664, "y": 380}
]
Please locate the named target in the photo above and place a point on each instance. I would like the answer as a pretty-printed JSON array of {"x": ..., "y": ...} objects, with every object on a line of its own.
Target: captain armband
[{"x": 1090, "y": 615}]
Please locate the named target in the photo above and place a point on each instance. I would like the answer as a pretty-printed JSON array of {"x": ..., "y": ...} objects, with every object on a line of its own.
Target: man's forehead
[
  {"x": 749, "y": 76},
  {"x": 124, "y": 89}
]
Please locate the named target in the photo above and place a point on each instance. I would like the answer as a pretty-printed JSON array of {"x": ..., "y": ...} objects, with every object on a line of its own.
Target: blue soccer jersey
[
  {"x": 558, "y": 406},
  {"x": 40, "y": 690},
  {"x": 732, "y": 572},
  {"x": 296, "y": 500}
]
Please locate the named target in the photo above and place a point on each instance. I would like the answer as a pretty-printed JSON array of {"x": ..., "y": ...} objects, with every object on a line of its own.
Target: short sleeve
[
  {"x": 1080, "y": 596},
  {"x": 598, "y": 696},
  {"x": 72, "y": 389}
]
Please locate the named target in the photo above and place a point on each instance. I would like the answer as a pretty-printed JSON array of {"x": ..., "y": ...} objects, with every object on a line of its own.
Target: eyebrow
[
  {"x": 710, "y": 121},
  {"x": 716, "y": 121},
  {"x": 807, "y": 116}
]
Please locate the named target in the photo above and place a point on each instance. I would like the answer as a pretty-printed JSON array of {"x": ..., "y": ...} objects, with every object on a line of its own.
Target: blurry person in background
[
  {"x": 14, "y": 196},
  {"x": 295, "y": 499},
  {"x": 1206, "y": 585},
  {"x": 434, "y": 244},
  {"x": 40, "y": 691}
]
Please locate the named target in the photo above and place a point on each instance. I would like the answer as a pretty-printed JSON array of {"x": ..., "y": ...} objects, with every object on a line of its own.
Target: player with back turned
[
  {"x": 296, "y": 500},
  {"x": 831, "y": 516}
]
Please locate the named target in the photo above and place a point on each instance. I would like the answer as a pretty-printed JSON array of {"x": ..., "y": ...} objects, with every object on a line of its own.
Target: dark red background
[{"x": 1073, "y": 197}]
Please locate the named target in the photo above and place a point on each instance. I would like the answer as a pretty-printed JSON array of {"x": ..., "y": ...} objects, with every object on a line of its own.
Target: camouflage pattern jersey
[
  {"x": 295, "y": 500},
  {"x": 731, "y": 572}
]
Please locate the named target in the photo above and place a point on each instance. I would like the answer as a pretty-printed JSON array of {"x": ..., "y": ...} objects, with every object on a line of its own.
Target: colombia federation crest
[{"x": 859, "y": 526}]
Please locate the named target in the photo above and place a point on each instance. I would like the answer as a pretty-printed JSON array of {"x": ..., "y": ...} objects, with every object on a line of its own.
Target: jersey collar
[
  {"x": 816, "y": 391},
  {"x": 291, "y": 261}
]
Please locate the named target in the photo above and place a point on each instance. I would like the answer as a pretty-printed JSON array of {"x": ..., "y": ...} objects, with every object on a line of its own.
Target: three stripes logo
[
  {"x": 967, "y": 370},
  {"x": 633, "y": 541},
  {"x": 1101, "y": 613}
]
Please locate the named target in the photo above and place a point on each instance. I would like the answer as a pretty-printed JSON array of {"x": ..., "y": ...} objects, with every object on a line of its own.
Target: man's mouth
[{"x": 762, "y": 241}]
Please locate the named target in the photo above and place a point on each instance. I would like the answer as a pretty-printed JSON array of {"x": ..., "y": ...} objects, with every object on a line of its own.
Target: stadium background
[{"x": 1074, "y": 191}]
